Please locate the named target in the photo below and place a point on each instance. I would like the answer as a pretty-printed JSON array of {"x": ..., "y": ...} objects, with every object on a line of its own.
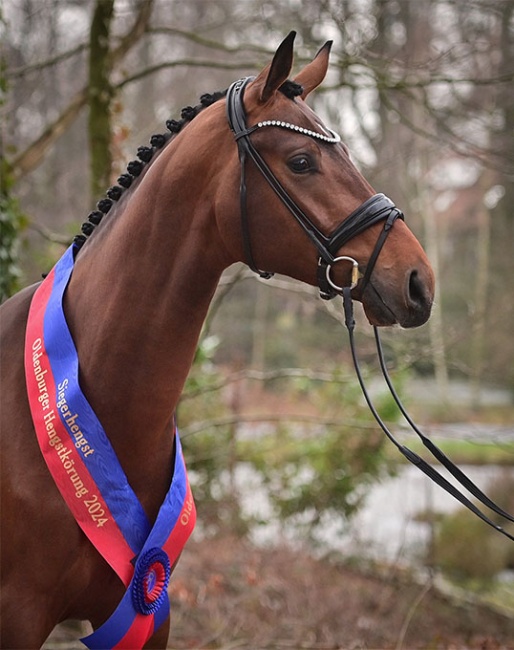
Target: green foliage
[
  {"x": 326, "y": 468},
  {"x": 12, "y": 223},
  {"x": 12, "y": 219},
  {"x": 465, "y": 548},
  {"x": 307, "y": 469},
  {"x": 209, "y": 452},
  {"x": 309, "y": 476}
]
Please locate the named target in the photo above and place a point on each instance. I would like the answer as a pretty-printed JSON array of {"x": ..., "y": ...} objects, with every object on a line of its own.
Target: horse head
[{"x": 292, "y": 165}]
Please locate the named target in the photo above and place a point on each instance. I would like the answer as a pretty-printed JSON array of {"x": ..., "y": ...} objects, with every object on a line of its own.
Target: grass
[
  {"x": 501, "y": 597},
  {"x": 497, "y": 594}
]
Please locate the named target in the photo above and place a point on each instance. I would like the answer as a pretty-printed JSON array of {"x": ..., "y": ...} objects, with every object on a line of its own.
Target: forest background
[{"x": 422, "y": 92}]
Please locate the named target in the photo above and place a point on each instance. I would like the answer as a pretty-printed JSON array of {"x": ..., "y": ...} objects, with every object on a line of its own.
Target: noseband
[{"x": 377, "y": 208}]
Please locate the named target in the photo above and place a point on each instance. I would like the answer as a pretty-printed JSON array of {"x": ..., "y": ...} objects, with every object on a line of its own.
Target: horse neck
[{"x": 138, "y": 298}]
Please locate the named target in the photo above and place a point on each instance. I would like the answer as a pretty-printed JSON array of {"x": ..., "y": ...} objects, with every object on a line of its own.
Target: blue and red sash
[{"x": 91, "y": 480}]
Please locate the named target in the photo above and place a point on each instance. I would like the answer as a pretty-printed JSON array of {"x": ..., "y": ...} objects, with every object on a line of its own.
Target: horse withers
[{"x": 268, "y": 186}]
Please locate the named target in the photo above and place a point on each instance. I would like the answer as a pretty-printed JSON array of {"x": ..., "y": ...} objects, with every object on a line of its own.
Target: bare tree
[{"x": 415, "y": 89}]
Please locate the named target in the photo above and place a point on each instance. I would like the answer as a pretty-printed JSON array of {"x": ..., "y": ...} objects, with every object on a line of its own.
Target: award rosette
[
  {"x": 151, "y": 578},
  {"x": 91, "y": 480}
]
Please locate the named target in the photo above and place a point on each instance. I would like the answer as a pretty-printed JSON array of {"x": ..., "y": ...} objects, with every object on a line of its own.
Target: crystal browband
[{"x": 300, "y": 129}]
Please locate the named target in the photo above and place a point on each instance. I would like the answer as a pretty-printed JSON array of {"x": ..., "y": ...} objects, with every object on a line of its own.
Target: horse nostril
[{"x": 416, "y": 291}]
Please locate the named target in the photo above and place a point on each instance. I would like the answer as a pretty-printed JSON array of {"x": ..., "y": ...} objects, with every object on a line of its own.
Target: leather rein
[{"x": 377, "y": 208}]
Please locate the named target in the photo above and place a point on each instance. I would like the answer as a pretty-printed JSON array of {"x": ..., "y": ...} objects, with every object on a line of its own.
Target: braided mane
[{"x": 145, "y": 154}]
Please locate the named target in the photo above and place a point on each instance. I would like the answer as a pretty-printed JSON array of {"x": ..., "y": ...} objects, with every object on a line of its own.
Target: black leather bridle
[{"x": 375, "y": 209}]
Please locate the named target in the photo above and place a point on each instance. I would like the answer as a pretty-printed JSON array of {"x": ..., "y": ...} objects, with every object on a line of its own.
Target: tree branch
[
  {"x": 137, "y": 31},
  {"x": 27, "y": 160},
  {"x": 238, "y": 419},
  {"x": 192, "y": 63},
  {"x": 205, "y": 42},
  {"x": 41, "y": 65},
  {"x": 49, "y": 235},
  {"x": 268, "y": 375},
  {"x": 139, "y": 28},
  {"x": 32, "y": 156}
]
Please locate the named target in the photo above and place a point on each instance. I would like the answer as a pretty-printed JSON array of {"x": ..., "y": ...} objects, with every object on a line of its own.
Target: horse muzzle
[{"x": 408, "y": 303}]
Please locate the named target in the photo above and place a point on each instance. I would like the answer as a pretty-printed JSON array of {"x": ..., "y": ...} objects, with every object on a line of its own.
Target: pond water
[{"x": 387, "y": 528}]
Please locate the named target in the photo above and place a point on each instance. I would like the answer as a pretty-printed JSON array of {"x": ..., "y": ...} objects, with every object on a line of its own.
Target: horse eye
[{"x": 300, "y": 164}]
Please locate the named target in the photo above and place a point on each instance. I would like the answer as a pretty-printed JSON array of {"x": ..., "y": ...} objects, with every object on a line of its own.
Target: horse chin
[{"x": 378, "y": 313}]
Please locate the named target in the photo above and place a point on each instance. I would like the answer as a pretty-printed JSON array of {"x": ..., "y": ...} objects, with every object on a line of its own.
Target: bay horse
[{"x": 138, "y": 296}]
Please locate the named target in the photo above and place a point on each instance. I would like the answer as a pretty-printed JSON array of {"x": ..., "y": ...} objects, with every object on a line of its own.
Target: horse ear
[
  {"x": 274, "y": 74},
  {"x": 314, "y": 72}
]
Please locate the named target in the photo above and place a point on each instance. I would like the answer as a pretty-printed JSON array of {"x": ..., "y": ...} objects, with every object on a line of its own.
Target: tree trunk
[
  {"x": 480, "y": 311},
  {"x": 100, "y": 97}
]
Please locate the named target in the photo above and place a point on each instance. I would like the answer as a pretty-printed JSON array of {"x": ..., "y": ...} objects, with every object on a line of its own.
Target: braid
[{"x": 136, "y": 167}]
